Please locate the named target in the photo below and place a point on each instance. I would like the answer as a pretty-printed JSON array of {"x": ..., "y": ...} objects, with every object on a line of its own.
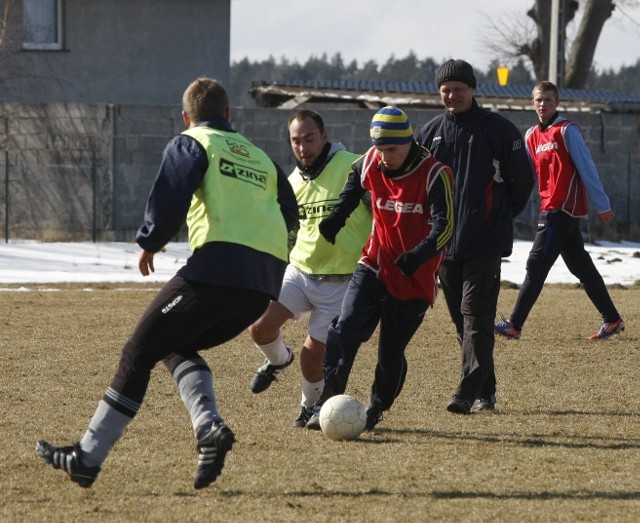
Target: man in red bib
[
  {"x": 395, "y": 282},
  {"x": 567, "y": 176}
]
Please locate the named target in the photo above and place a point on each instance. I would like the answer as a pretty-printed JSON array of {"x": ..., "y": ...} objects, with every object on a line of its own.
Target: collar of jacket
[
  {"x": 313, "y": 171},
  {"x": 217, "y": 122},
  {"x": 545, "y": 126}
]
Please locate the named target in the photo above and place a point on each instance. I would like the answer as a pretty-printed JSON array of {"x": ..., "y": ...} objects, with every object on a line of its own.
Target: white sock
[
  {"x": 195, "y": 383},
  {"x": 311, "y": 392},
  {"x": 276, "y": 351},
  {"x": 105, "y": 428}
]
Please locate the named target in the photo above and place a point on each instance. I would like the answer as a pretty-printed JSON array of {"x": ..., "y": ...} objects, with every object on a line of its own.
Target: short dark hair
[
  {"x": 204, "y": 99},
  {"x": 307, "y": 113},
  {"x": 546, "y": 85}
]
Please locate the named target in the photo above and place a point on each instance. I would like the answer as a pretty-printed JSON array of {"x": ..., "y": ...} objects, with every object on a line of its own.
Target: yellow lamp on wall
[{"x": 503, "y": 75}]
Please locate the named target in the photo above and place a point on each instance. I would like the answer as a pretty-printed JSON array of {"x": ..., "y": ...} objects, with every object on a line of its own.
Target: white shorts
[{"x": 317, "y": 298}]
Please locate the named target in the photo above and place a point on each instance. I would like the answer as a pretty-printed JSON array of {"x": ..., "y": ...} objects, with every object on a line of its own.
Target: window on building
[{"x": 42, "y": 24}]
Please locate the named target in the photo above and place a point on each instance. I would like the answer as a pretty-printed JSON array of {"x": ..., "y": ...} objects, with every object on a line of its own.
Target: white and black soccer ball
[{"x": 343, "y": 417}]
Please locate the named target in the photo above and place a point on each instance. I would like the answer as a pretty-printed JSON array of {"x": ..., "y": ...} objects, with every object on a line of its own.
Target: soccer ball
[{"x": 342, "y": 417}]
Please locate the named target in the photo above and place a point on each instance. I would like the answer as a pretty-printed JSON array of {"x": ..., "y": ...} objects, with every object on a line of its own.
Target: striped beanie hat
[{"x": 390, "y": 126}]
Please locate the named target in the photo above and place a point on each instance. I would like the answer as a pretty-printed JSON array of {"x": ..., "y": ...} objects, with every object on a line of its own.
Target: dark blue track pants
[
  {"x": 559, "y": 234},
  {"x": 367, "y": 304}
]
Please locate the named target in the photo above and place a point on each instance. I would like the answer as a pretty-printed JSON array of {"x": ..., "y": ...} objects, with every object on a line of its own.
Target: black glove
[
  {"x": 330, "y": 227},
  {"x": 408, "y": 263}
]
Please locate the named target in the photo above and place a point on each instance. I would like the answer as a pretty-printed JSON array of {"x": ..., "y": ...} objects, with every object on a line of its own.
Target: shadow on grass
[
  {"x": 452, "y": 494},
  {"x": 632, "y": 495},
  {"x": 586, "y": 413},
  {"x": 530, "y": 440}
]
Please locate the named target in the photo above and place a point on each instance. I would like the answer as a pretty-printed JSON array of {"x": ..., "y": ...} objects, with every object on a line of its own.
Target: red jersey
[
  {"x": 402, "y": 219},
  {"x": 559, "y": 183}
]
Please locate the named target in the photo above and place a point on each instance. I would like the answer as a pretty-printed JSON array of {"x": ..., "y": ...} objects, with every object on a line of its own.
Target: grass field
[{"x": 563, "y": 445}]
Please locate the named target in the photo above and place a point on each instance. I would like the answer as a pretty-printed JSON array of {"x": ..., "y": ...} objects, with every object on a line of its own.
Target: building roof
[{"x": 376, "y": 94}]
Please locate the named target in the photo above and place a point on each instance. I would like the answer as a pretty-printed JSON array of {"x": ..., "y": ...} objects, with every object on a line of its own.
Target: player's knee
[{"x": 263, "y": 333}]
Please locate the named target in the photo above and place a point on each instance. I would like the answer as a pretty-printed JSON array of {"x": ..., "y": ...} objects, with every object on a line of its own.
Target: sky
[
  {"x": 30, "y": 262},
  {"x": 377, "y": 29}
]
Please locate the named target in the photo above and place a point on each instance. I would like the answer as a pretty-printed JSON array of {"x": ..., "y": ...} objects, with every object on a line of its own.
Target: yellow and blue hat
[{"x": 390, "y": 126}]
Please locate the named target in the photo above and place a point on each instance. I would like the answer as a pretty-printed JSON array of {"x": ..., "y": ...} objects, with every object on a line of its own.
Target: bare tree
[
  {"x": 580, "y": 58},
  {"x": 537, "y": 49},
  {"x": 517, "y": 37}
]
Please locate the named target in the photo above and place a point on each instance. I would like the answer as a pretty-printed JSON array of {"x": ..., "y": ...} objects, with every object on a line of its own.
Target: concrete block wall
[
  {"x": 141, "y": 133},
  {"x": 56, "y": 177},
  {"x": 82, "y": 172}
]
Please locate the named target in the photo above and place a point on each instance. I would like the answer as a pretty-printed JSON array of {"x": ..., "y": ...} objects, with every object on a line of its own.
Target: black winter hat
[{"x": 456, "y": 71}]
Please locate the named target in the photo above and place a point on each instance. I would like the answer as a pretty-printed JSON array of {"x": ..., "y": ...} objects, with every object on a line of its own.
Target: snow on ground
[
  {"x": 618, "y": 263},
  {"x": 36, "y": 262}
]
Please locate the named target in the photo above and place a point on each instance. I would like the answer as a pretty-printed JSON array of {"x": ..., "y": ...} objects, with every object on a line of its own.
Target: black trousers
[
  {"x": 183, "y": 318},
  {"x": 471, "y": 289},
  {"x": 367, "y": 303},
  {"x": 559, "y": 234}
]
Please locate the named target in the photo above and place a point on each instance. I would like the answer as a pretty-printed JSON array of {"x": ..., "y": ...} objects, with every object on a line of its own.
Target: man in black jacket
[{"x": 493, "y": 179}]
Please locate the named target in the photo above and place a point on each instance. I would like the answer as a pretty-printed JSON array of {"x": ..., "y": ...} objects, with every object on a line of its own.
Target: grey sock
[
  {"x": 195, "y": 383},
  {"x": 105, "y": 428}
]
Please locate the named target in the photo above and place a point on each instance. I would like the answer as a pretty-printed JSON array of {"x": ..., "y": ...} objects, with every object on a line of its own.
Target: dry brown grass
[{"x": 564, "y": 444}]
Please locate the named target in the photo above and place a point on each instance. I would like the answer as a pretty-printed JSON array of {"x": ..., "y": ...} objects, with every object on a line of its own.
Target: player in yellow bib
[
  {"x": 228, "y": 190},
  {"x": 318, "y": 273}
]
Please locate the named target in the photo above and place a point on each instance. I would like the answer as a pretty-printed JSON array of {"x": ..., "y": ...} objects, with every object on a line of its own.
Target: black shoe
[
  {"x": 212, "y": 449},
  {"x": 268, "y": 373},
  {"x": 374, "y": 416},
  {"x": 303, "y": 417},
  {"x": 314, "y": 420},
  {"x": 458, "y": 405},
  {"x": 68, "y": 459},
  {"x": 484, "y": 404}
]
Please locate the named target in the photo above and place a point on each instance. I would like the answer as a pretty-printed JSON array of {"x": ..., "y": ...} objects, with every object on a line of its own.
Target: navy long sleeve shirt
[{"x": 184, "y": 163}]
